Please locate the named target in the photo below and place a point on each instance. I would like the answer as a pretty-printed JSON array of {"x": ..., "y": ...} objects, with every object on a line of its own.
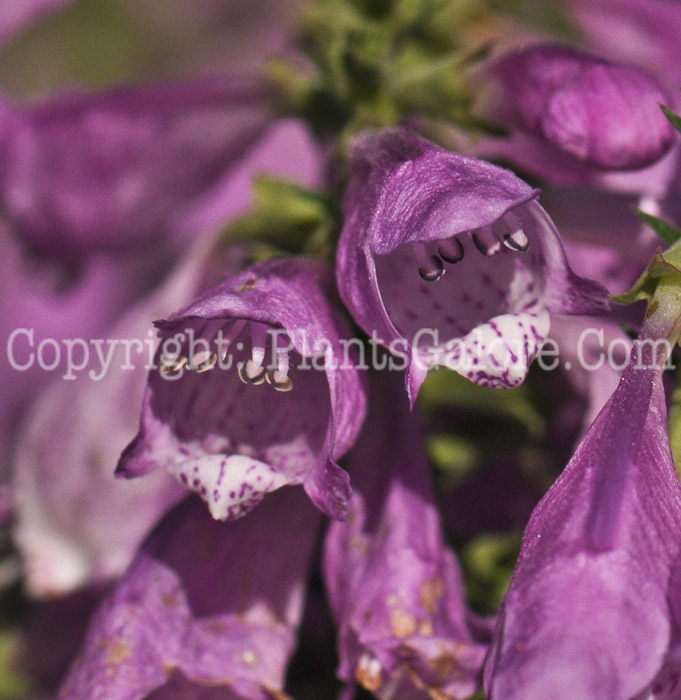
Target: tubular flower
[
  {"x": 269, "y": 399},
  {"x": 453, "y": 260},
  {"x": 395, "y": 589},
  {"x": 204, "y": 604},
  {"x": 601, "y": 113},
  {"x": 92, "y": 173},
  {"x": 587, "y": 613}
]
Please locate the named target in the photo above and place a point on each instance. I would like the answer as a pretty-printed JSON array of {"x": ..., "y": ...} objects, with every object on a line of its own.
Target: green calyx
[
  {"x": 371, "y": 63},
  {"x": 285, "y": 219}
]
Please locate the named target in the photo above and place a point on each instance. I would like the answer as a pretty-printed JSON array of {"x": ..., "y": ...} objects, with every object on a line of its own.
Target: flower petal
[
  {"x": 587, "y": 614},
  {"x": 218, "y": 603},
  {"x": 601, "y": 113},
  {"x": 87, "y": 173},
  {"x": 395, "y": 589},
  {"x": 497, "y": 263}
]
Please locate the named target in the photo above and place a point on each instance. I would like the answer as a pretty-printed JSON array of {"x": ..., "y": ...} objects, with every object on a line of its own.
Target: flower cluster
[{"x": 322, "y": 271}]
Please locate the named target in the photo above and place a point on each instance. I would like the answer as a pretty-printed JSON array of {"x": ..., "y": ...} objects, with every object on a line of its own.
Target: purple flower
[
  {"x": 395, "y": 589},
  {"x": 600, "y": 113},
  {"x": 587, "y": 613},
  {"x": 119, "y": 171},
  {"x": 203, "y": 604},
  {"x": 644, "y": 32},
  {"x": 37, "y": 295},
  {"x": 458, "y": 247},
  {"x": 288, "y": 403},
  {"x": 16, "y": 15},
  {"x": 70, "y": 534}
]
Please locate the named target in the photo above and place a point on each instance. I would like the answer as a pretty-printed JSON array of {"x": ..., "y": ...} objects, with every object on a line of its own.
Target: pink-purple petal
[
  {"x": 600, "y": 113},
  {"x": 587, "y": 611},
  {"x": 394, "y": 588},
  {"x": 204, "y": 603},
  {"x": 103, "y": 172}
]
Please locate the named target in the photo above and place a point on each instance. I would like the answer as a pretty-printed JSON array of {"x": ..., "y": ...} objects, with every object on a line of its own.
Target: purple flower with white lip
[
  {"x": 414, "y": 212},
  {"x": 203, "y": 604},
  {"x": 395, "y": 589},
  {"x": 601, "y": 113},
  {"x": 275, "y": 403},
  {"x": 120, "y": 170},
  {"x": 587, "y": 613}
]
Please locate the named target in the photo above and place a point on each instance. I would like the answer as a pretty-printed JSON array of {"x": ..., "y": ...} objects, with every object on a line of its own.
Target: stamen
[
  {"x": 252, "y": 371},
  {"x": 486, "y": 241},
  {"x": 258, "y": 341},
  {"x": 207, "y": 364},
  {"x": 451, "y": 250},
  {"x": 279, "y": 378},
  {"x": 430, "y": 266},
  {"x": 168, "y": 364},
  {"x": 516, "y": 239}
]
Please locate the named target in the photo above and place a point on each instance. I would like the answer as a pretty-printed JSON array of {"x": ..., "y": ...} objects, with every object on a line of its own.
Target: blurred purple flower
[
  {"x": 414, "y": 211},
  {"x": 587, "y": 613},
  {"x": 604, "y": 114},
  {"x": 119, "y": 171},
  {"x": 70, "y": 534},
  {"x": 34, "y": 295},
  {"x": 230, "y": 440},
  {"x": 394, "y": 587},
  {"x": 644, "y": 32},
  {"x": 203, "y": 604},
  {"x": 17, "y": 15}
]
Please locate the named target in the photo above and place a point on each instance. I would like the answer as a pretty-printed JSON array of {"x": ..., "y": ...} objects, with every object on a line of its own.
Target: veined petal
[
  {"x": 214, "y": 421},
  {"x": 439, "y": 248},
  {"x": 204, "y": 602}
]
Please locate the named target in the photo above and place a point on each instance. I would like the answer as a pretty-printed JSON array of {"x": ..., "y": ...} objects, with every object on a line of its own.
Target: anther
[
  {"x": 207, "y": 364},
  {"x": 515, "y": 238},
  {"x": 251, "y": 373},
  {"x": 486, "y": 241},
  {"x": 171, "y": 364},
  {"x": 431, "y": 267},
  {"x": 279, "y": 380},
  {"x": 517, "y": 241},
  {"x": 451, "y": 250}
]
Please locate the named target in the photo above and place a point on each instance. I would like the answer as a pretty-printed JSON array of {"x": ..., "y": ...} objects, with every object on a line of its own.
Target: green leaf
[
  {"x": 285, "y": 217},
  {"x": 488, "y": 561},
  {"x": 668, "y": 233},
  {"x": 12, "y": 683},
  {"x": 675, "y": 424},
  {"x": 665, "y": 264},
  {"x": 674, "y": 118}
]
